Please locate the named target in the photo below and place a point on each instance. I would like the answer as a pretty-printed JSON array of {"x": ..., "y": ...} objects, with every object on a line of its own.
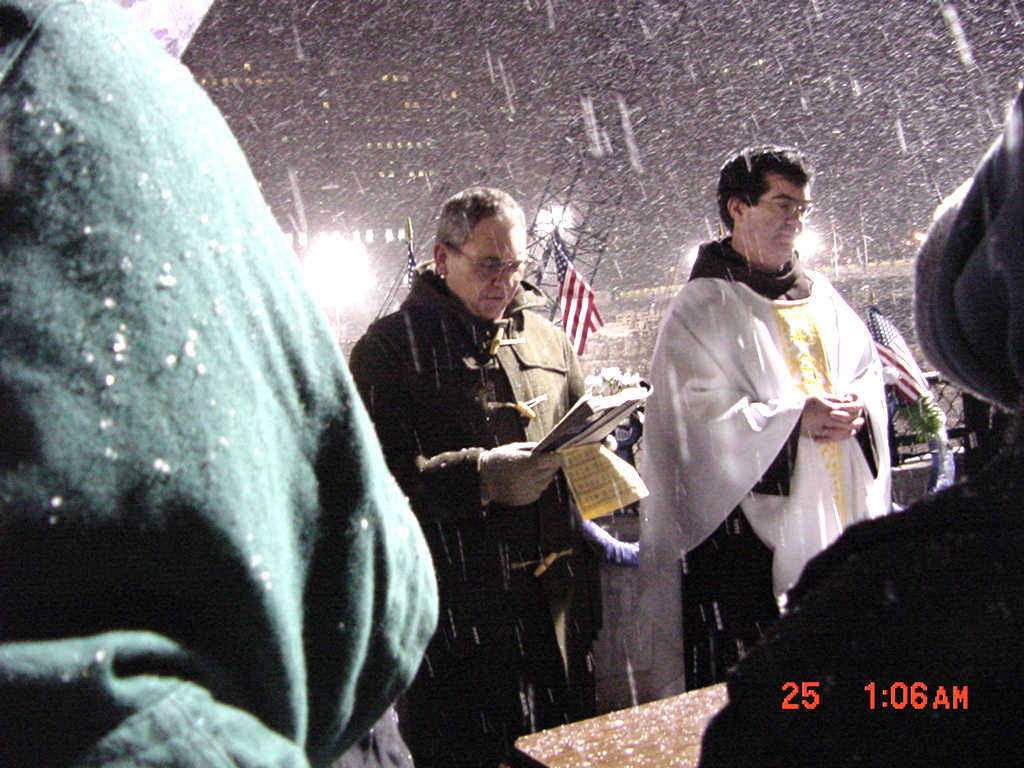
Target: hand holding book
[
  {"x": 592, "y": 419},
  {"x": 600, "y": 481}
]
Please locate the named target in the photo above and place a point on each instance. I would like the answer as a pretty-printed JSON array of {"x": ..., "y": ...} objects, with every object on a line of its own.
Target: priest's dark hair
[{"x": 743, "y": 175}]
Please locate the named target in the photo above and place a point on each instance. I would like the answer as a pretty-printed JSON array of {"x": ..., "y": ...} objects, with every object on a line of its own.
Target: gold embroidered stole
[{"x": 800, "y": 343}]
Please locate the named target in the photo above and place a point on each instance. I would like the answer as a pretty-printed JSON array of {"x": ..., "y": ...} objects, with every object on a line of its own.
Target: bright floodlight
[
  {"x": 559, "y": 217},
  {"x": 337, "y": 271},
  {"x": 808, "y": 244}
]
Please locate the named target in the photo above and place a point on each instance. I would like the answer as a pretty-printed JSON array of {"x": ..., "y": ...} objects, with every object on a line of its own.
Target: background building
[{"x": 357, "y": 116}]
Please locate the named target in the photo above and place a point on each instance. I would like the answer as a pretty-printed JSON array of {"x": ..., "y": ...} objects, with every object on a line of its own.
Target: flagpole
[
  {"x": 407, "y": 271},
  {"x": 593, "y": 273},
  {"x": 554, "y": 302},
  {"x": 392, "y": 291}
]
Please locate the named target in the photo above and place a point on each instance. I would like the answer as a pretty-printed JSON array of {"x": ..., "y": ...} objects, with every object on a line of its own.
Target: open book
[
  {"x": 592, "y": 419},
  {"x": 599, "y": 480}
]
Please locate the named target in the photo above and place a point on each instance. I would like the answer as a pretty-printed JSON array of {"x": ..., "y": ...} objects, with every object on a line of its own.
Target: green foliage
[{"x": 926, "y": 418}]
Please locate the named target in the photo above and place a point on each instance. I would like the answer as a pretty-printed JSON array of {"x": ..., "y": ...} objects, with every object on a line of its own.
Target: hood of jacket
[{"x": 718, "y": 259}]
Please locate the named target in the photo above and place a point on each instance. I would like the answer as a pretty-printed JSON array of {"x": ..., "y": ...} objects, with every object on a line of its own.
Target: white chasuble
[{"x": 730, "y": 374}]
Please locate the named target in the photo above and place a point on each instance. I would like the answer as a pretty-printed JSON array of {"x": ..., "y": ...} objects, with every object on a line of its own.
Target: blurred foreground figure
[
  {"x": 455, "y": 381},
  {"x": 203, "y": 559},
  {"x": 903, "y": 643},
  {"x": 766, "y": 428}
]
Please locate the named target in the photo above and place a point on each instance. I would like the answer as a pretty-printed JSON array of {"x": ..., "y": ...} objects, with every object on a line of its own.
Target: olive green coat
[{"x": 439, "y": 398}]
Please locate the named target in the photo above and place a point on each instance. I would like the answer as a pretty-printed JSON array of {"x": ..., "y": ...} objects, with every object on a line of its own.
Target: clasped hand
[{"x": 831, "y": 418}]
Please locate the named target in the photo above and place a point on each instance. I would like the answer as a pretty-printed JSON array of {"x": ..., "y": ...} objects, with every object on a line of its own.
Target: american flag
[
  {"x": 576, "y": 297},
  {"x": 892, "y": 348}
]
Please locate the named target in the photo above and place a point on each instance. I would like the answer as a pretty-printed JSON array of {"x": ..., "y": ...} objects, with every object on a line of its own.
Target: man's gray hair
[{"x": 464, "y": 210}]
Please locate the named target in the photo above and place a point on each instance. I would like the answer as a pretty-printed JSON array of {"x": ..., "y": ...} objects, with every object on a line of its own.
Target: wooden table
[{"x": 660, "y": 734}]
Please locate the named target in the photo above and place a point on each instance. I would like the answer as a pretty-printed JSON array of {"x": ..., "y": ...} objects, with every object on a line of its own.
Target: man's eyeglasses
[
  {"x": 788, "y": 208},
  {"x": 490, "y": 268}
]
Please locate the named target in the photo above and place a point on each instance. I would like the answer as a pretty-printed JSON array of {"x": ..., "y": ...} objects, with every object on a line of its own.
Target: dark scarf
[{"x": 719, "y": 259}]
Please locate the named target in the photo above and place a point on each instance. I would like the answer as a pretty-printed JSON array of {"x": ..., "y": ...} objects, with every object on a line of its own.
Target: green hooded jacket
[{"x": 203, "y": 558}]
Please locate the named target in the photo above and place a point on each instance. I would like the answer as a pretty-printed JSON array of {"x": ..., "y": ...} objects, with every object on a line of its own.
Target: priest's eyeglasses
[
  {"x": 489, "y": 267},
  {"x": 789, "y": 208}
]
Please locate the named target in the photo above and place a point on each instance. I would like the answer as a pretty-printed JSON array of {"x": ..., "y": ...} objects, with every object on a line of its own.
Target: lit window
[
  {"x": 389, "y": 236},
  {"x": 247, "y": 66},
  {"x": 368, "y": 236}
]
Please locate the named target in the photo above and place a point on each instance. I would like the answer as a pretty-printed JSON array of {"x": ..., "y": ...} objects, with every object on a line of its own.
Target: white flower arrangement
[{"x": 611, "y": 380}]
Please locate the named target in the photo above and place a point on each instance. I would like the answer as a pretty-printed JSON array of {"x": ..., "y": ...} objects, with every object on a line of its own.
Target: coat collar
[{"x": 430, "y": 295}]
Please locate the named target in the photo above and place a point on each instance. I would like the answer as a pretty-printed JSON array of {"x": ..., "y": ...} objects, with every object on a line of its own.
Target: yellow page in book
[{"x": 600, "y": 481}]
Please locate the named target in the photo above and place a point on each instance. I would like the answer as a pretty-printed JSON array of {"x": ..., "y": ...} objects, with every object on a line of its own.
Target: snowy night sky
[{"x": 624, "y": 108}]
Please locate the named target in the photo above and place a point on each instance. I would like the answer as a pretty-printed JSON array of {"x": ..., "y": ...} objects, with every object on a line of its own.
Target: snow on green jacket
[{"x": 203, "y": 558}]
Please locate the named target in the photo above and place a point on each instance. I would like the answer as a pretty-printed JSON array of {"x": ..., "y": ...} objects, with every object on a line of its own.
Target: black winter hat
[{"x": 969, "y": 291}]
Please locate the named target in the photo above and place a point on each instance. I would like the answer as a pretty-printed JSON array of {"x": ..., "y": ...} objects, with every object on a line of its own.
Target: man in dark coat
[
  {"x": 455, "y": 382},
  {"x": 203, "y": 559},
  {"x": 904, "y": 641}
]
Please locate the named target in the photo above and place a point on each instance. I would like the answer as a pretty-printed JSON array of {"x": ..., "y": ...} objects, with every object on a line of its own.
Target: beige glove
[{"x": 510, "y": 474}]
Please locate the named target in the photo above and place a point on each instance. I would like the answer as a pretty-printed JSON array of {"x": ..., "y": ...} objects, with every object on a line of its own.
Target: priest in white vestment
[{"x": 765, "y": 434}]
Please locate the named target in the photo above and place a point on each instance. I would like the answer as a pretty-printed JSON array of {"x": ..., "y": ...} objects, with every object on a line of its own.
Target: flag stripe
[
  {"x": 579, "y": 311},
  {"x": 580, "y": 316},
  {"x": 892, "y": 348},
  {"x": 908, "y": 384}
]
